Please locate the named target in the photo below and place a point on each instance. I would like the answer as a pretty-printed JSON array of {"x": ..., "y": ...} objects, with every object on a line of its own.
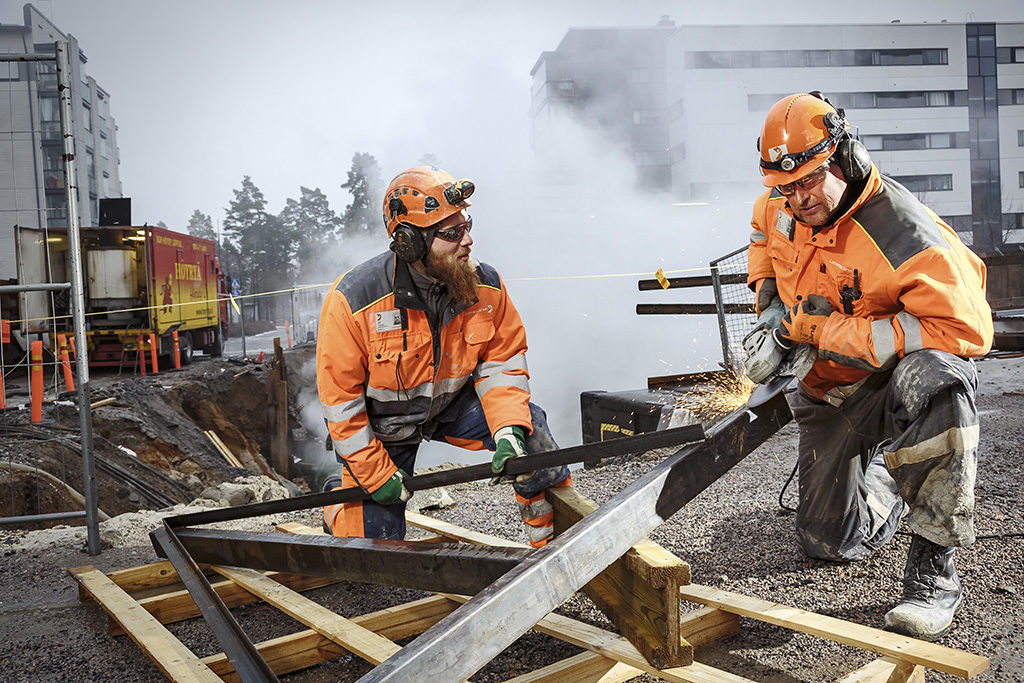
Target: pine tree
[
  {"x": 363, "y": 215},
  {"x": 264, "y": 248},
  {"x": 316, "y": 230},
  {"x": 201, "y": 225}
]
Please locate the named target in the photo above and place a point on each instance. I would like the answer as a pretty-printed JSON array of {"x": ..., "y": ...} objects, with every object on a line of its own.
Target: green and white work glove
[
  {"x": 393, "y": 490},
  {"x": 509, "y": 442}
]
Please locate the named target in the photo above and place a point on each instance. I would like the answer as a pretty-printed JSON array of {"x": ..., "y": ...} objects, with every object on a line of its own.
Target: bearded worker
[
  {"x": 895, "y": 305},
  {"x": 423, "y": 343}
]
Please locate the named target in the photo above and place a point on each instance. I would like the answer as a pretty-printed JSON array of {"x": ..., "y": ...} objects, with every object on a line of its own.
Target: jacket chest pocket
[
  {"x": 399, "y": 363},
  {"x": 847, "y": 286}
]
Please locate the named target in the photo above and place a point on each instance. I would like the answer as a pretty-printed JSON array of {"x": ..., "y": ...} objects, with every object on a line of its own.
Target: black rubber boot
[{"x": 931, "y": 593}]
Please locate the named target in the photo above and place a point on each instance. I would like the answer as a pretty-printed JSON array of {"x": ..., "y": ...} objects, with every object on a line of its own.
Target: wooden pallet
[{"x": 141, "y": 600}]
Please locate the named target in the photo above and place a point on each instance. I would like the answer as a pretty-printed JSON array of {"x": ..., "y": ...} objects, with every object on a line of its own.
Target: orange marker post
[
  {"x": 260, "y": 359},
  {"x": 5, "y": 337},
  {"x": 177, "y": 351},
  {"x": 288, "y": 332},
  {"x": 141, "y": 358},
  {"x": 36, "y": 372},
  {"x": 62, "y": 345},
  {"x": 74, "y": 352},
  {"x": 152, "y": 351}
]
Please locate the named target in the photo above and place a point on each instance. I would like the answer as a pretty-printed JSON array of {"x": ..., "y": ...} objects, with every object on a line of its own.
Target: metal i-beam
[
  {"x": 464, "y": 641},
  {"x": 437, "y": 567},
  {"x": 245, "y": 658}
]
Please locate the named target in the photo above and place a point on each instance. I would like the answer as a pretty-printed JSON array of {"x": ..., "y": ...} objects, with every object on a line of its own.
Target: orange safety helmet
[
  {"x": 422, "y": 196},
  {"x": 800, "y": 133}
]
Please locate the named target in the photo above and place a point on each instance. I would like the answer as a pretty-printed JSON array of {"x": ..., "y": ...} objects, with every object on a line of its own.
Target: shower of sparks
[{"x": 722, "y": 393}]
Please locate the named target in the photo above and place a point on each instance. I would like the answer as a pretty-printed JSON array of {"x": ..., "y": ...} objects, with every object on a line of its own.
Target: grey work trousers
[{"x": 905, "y": 442}]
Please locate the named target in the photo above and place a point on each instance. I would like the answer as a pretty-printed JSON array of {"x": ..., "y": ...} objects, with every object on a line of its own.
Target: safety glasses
[
  {"x": 812, "y": 179},
  {"x": 455, "y": 233}
]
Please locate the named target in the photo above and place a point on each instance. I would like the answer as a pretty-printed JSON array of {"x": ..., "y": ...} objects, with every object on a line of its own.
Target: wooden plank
[
  {"x": 930, "y": 655},
  {"x": 456, "y": 532},
  {"x": 618, "y": 648},
  {"x": 174, "y": 659},
  {"x": 707, "y": 626},
  {"x": 886, "y": 670},
  {"x": 356, "y": 639},
  {"x": 177, "y": 605},
  {"x": 639, "y": 592},
  {"x": 103, "y": 402},
  {"x": 586, "y": 667},
  {"x": 308, "y": 648},
  {"x": 298, "y": 528},
  {"x": 223, "y": 449}
]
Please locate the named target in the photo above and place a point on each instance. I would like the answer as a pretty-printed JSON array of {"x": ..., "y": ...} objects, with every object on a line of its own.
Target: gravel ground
[{"x": 734, "y": 535}]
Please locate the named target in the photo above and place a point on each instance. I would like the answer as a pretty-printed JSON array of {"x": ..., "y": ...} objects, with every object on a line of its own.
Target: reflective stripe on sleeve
[
  {"x": 757, "y": 236},
  {"x": 516, "y": 362},
  {"x": 883, "y": 337},
  {"x": 354, "y": 443},
  {"x": 912, "y": 340},
  {"x": 344, "y": 411},
  {"x": 953, "y": 440},
  {"x": 503, "y": 380}
]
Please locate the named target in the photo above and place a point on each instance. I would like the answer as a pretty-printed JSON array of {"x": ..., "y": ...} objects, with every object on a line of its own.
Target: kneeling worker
[
  {"x": 895, "y": 305},
  {"x": 423, "y": 342}
]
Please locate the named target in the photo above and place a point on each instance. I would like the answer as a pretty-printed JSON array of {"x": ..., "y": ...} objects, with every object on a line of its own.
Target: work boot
[{"x": 931, "y": 592}]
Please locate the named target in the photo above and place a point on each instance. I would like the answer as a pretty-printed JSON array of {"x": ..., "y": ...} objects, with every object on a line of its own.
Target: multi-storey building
[
  {"x": 940, "y": 106},
  {"x": 31, "y": 166},
  {"x": 613, "y": 78}
]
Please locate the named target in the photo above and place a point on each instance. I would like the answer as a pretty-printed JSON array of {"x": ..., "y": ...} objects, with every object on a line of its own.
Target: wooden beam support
[
  {"x": 586, "y": 667},
  {"x": 456, "y": 532},
  {"x": 308, "y": 648},
  {"x": 614, "y": 646},
  {"x": 356, "y": 639},
  {"x": 174, "y": 659},
  {"x": 930, "y": 655},
  {"x": 886, "y": 670},
  {"x": 639, "y": 592}
]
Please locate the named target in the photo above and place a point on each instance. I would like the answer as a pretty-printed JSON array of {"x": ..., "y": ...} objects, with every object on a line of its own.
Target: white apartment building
[
  {"x": 31, "y": 170},
  {"x": 940, "y": 106}
]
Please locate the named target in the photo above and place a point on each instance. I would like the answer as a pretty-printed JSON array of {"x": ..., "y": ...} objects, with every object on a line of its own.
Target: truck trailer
[{"x": 138, "y": 280}]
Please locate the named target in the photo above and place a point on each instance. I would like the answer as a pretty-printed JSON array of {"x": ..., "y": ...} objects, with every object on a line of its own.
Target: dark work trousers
[
  {"x": 462, "y": 424},
  {"x": 905, "y": 442}
]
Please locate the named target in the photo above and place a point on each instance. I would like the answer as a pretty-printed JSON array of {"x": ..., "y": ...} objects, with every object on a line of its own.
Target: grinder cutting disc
[{"x": 765, "y": 392}]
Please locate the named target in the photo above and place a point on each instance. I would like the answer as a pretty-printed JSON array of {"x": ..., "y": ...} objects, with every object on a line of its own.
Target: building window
[
  {"x": 1020, "y": 138},
  {"x": 87, "y": 117},
  {"x": 1020, "y": 178},
  {"x": 1011, "y": 96},
  {"x": 904, "y": 141},
  {"x": 812, "y": 58},
  {"x": 644, "y": 117},
  {"x": 640, "y": 75},
  {"x": 563, "y": 88},
  {"x": 901, "y": 99},
  {"x": 926, "y": 183},
  {"x": 9, "y": 71}
]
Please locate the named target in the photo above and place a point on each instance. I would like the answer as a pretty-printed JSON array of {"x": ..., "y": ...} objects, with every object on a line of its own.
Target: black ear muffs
[
  {"x": 409, "y": 243},
  {"x": 853, "y": 159}
]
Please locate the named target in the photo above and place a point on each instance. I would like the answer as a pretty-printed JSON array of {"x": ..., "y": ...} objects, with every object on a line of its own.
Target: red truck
[{"x": 137, "y": 281}]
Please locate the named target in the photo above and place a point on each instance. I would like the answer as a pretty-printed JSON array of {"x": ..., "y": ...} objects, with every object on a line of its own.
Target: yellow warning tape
[{"x": 298, "y": 288}]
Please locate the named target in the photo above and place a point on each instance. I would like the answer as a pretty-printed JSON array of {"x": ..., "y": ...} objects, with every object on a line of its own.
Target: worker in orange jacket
[
  {"x": 895, "y": 305},
  {"x": 423, "y": 342}
]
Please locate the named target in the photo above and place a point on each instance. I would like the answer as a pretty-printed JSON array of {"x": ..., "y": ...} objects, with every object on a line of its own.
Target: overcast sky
[{"x": 286, "y": 92}]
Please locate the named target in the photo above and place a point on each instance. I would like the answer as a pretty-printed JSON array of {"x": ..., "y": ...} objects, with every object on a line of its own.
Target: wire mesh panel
[{"x": 733, "y": 299}]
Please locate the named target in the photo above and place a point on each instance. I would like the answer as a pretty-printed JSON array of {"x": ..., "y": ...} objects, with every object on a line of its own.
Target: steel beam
[
  {"x": 244, "y": 657},
  {"x": 520, "y": 465},
  {"x": 437, "y": 567},
  {"x": 510, "y": 606}
]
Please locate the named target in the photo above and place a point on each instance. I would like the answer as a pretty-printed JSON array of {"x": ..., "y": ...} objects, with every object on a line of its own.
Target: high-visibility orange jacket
[
  {"x": 383, "y": 369},
  {"x": 898, "y": 278}
]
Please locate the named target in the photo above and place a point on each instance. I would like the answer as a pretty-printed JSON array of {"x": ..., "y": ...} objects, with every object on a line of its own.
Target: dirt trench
[{"x": 150, "y": 443}]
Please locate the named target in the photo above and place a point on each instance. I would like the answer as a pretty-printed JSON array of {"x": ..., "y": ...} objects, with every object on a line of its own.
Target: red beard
[{"x": 460, "y": 276}]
